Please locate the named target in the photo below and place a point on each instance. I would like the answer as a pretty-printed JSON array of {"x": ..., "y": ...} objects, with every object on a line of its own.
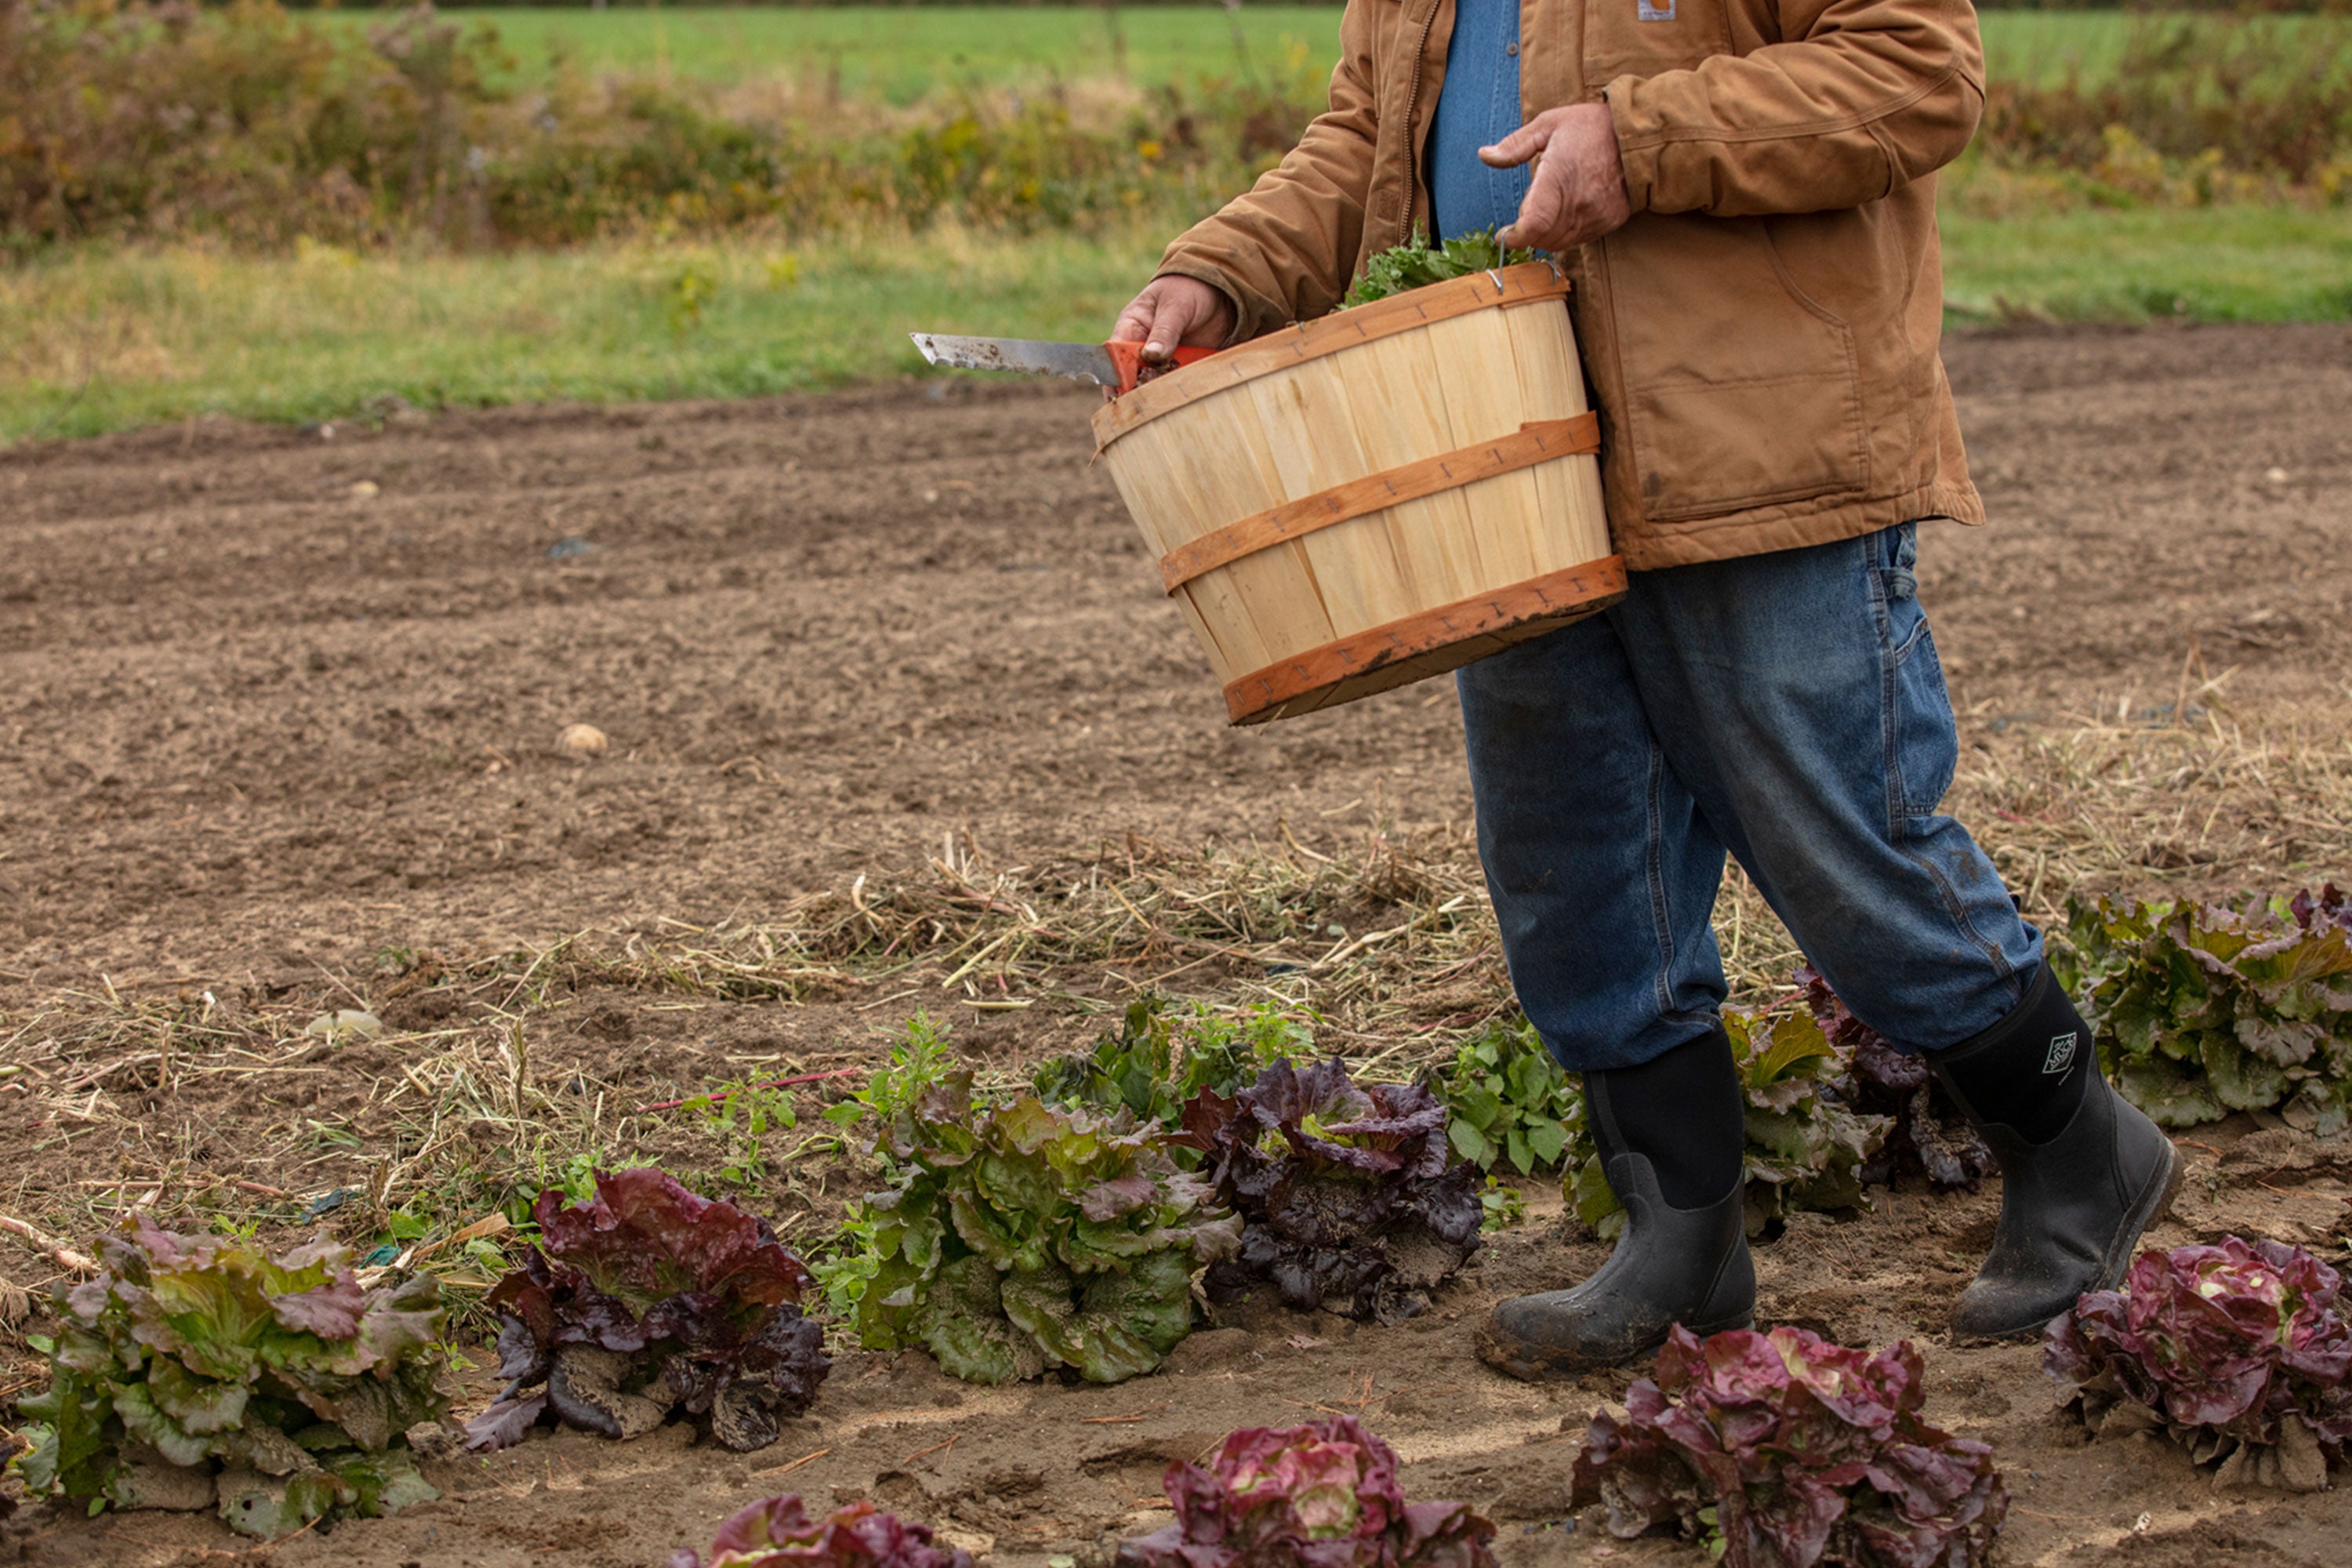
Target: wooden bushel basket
[{"x": 1385, "y": 494}]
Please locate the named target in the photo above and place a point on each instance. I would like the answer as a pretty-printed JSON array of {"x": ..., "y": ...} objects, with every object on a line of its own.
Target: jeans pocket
[{"x": 1922, "y": 737}]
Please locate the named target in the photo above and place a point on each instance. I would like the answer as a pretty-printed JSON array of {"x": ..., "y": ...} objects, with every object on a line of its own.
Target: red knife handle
[{"x": 1129, "y": 358}]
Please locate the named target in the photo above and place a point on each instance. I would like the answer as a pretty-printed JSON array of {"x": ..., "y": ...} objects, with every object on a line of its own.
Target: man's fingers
[
  {"x": 1134, "y": 323},
  {"x": 1169, "y": 322},
  {"x": 1538, "y": 221},
  {"x": 1520, "y": 146}
]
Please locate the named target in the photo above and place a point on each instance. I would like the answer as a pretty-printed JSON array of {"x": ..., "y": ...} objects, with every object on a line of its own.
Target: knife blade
[{"x": 1116, "y": 366}]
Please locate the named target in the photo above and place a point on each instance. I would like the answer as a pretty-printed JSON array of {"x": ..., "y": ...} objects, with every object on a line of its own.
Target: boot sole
[
  {"x": 2153, "y": 1202},
  {"x": 1531, "y": 1365}
]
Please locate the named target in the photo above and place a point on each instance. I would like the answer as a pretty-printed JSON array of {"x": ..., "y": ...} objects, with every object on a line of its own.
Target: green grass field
[
  {"x": 105, "y": 341},
  {"x": 902, "y": 55}
]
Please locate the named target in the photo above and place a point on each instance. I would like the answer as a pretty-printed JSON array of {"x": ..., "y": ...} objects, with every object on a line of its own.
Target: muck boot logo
[{"x": 2062, "y": 1054}]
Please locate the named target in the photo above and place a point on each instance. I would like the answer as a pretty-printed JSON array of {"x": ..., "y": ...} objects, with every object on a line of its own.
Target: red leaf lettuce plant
[
  {"x": 1786, "y": 1451},
  {"x": 2238, "y": 1352},
  {"x": 1321, "y": 1496},
  {"x": 196, "y": 1370},
  {"x": 778, "y": 1533},
  {"x": 1020, "y": 1237},
  {"x": 645, "y": 1299},
  {"x": 1348, "y": 1198}
]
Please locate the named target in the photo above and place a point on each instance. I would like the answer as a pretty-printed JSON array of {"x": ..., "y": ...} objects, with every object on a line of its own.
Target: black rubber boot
[
  {"x": 1687, "y": 1266},
  {"x": 2073, "y": 1205}
]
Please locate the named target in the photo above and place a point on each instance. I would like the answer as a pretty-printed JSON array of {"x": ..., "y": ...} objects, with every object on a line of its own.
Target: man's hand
[
  {"x": 1579, "y": 193},
  {"x": 1175, "y": 312}
]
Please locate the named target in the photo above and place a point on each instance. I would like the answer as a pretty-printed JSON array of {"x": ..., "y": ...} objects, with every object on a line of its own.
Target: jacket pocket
[
  {"x": 1739, "y": 389},
  {"x": 1643, "y": 37}
]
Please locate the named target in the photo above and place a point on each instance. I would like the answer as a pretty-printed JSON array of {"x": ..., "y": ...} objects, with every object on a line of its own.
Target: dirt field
[{"x": 278, "y": 719}]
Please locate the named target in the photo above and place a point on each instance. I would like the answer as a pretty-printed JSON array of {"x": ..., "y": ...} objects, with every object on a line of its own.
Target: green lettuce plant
[
  {"x": 2203, "y": 1009},
  {"x": 1507, "y": 1097},
  {"x": 1018, "y": 1238},
  {"x": 202, "y": 1370},
  {"x": 1162, "y": 1055}
]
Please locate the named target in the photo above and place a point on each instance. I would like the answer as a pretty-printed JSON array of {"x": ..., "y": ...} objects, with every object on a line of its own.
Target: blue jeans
[{"x": 1786, "y": 708}]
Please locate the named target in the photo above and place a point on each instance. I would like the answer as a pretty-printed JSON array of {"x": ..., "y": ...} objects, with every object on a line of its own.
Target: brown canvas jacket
[{"x": 1762, "y": 337}]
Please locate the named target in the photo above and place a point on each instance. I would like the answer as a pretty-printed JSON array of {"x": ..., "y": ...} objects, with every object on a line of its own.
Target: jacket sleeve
[
  {"x": 1285, "y": 251},
  {"x": 1866, "y": 97}
]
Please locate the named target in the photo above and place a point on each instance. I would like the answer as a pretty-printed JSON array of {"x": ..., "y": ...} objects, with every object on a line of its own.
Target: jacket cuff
[{"x": 1638, "y": 156}]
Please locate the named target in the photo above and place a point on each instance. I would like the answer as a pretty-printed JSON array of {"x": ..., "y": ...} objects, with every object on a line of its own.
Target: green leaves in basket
[{"x": 1416, "y": 263}]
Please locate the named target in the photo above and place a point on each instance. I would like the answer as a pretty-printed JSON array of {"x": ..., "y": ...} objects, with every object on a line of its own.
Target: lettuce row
[
  {"x": 2238, "y": 1352},
  {"x": 1783, "y": 1450},
  {"x": 1319, "y": 1495},
  {"x": 1019, "y": 1237},
  {"x": 194, "y": 1371},
  {"x": 778, "y": 1533},
  {"x": 1349, "y": 1199},
  {"x": 647, "y": 1299},
  {"x": 2203, "y": 1009}
]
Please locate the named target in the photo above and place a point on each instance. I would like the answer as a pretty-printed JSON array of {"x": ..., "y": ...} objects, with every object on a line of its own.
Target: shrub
[
  {"x": 1782, "y": 1450},
  {"x": 2257, "y": 96},
  {"x": 1325, "y": 1495},
  {"x": 196, "y": 1369},
  {"x": 646, "y": 1299},
  {"x": 2238, "y": 1352}
]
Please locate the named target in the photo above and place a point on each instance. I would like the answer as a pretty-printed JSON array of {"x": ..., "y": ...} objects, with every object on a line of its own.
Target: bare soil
[{"x": 277, "y": 701}]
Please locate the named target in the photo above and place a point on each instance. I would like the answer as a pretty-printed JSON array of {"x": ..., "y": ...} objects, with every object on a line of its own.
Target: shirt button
[{"x": 1511, "y": 48}]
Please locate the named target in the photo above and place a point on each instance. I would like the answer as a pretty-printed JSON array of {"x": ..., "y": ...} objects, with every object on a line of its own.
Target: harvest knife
[{"x": 1116, "y": 366}]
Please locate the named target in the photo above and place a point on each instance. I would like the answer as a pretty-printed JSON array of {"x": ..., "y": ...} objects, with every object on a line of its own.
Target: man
[{"x": 1744, "y": 194}]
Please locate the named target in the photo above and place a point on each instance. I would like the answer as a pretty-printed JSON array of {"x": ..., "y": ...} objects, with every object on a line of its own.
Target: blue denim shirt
[{"x": 1477, "y": 107}]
